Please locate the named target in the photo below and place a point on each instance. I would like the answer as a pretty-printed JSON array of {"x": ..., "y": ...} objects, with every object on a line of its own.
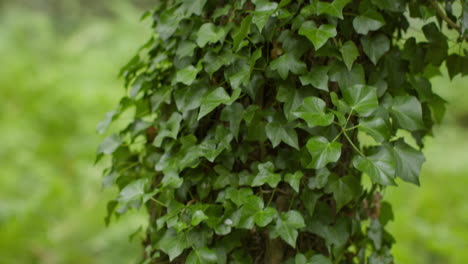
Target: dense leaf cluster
[{"x": 264, "y": 131}]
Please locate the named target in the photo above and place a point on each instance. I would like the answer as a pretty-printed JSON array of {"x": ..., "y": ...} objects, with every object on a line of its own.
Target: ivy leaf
[
  {"x": 375, "y": 46},
  {"x": 294, "y": 179},
  {"x": 202, "y": 256},
  {"x": 361, "y": 98},
  {"x": 169, "y": 129},
  {"x": 209, "y": 33},
  {"x": 370, "y": 20},
  {"x": 408, "y": 162},
  {"x": 316, "y": 77},
  {"x": 110, "y": 144},
  {"x": 319, "y": 259},
  {"x": 266, "y": 216},
  {"x": 193, "y": 6},
  {"x": 287, "y": 225},
  {"x": 212, "y": 100},
  {"x": 242, "y": 33},
  {"x": 104, "y": 124},
  {"x": 323, "y": 151},
  {"x": 132, "y": 191},
  {"x": 288, "y": 63},
  {"x": 263, "y": 11},
  {"x": 172, "y": 243},
  {"x": 233, "y": 114},
  {"x": 186, "y": 75},
  {"x": 375, "y": 233},
  {"x": 198, "y": 217},
  {"x": 380, "y": 166},
  {"x": 376, "y": 127},
  {"x": 313, "y": 112},
  {"x": 238, "y": 196},
  {"x": 309, "y": 199},
  {"x": 344, "y": 189},
  {"x": 266, "y": 175},
  {"x": 464, "y": 21},
  {"x": 334, "y": 8},
  {"x": 277, "y": 132},
  {"x": 318, "y": 36},
  {"x": 350, "y": 53},
  {"x": 407, "y": 111},
  {"x": 213, "y": 62}
]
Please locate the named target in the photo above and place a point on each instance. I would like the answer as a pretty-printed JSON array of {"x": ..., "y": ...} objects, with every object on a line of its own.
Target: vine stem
[
  {"x": 352, "y": 144},
  {"x": 158, "y": 202},
  {"x": 443, "y": 16}
]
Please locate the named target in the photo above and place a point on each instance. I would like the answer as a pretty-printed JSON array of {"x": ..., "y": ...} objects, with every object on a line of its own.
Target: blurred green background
[{"x": 58, "y": 78}]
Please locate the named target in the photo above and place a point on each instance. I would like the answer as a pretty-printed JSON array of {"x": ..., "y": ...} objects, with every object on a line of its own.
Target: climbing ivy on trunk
[{"x": 266, "y": 131}]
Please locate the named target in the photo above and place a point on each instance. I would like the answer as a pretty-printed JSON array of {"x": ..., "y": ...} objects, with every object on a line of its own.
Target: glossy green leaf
[
  {"x": 361, "y": 98},
  {"x": 288, "y": 63},
  {"x": 323, "y": 151},
  {"x": 242, "y": 33},
  {"x": 407, "y": 111},
  {"x": 344, "y": 190},
  {"x": 172, "y": 243},
  {"x": 198, "y": 217},
  {"x": 278, "y": 132},
  {"x": 313, "y": 112},
  {"x": 265, "y": 217},
  {"x": 370, "y": 20},
  {"x": 408, "y": 162},
  {"x": 317, "y": 35},
  {"x": 294, "y": 179},
  {"x": 316, "y": 77},
  {"x": 350, "y": 53},
  {"x": 169, "y": 129},
  {"x": 110, "y": 144},
  {"x": 134, "y": 190},
  {"x": 287, "y": 226},
  {"x": 186, "y": 75},
  {"x": 380, "y": 166},
  {"x": 376, "y": 127},
  {"x": 209, "y": 33},
  {"x": 212, "y": 100},
  {"x": 375, "y": 46},
  {"x": 266, "y": 175},
  {"x": 263, "y": 11},
  {"x": 202, "y": 256}
]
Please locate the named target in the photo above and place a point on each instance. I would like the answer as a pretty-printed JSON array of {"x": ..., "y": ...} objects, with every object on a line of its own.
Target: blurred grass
[{"x": 57, "y": 80}]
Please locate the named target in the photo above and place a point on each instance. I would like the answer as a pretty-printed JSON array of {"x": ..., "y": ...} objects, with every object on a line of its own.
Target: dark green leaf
[
  {"x": 323, "y": 151},
  {"x": 202, "y": 256},
  {"x": 350, "y": 53},
  {"x": 313, "y": 112},
  {"x": 277, "y": 132},
  {"x": 361, "y": 98},
  {"x": 380, "y": 166},
  {"x": 375, "y": 46},
  {"x": 318, "y": 36},
  {"x": 288, "y": 63},
  {"x": 186, "y": 75},
  {"x": 242, "y": 33},
  {"x": 316, "y": 77},
  {"x": 370, "y": 20},
  {"x": 294, "y": 179},
  {"x": 408, "y": 162},
  {"x": 407, "y": 111},
  {"x": 212, "y": 100},
  {"x": 209, "y": 33},
  {"x": 110, "y": 144},
  {"x": 172, "y": 243}
]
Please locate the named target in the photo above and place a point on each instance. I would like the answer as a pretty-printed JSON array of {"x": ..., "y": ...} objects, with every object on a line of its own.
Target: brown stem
[{"x": 442, "y": 15}]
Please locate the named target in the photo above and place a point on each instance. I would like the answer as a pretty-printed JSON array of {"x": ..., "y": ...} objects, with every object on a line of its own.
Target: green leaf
[
  {"x": 193, "y": 6},
  {"x": 318, "y": 36},
  {"x": 266, "y": 216},
  {"x": 104, "y": 124},
  {"x": 316, "y": 77},
  {"x": 288, "y": 63},
  {"x": 407, "y": 111},
  {"x": 198, "y": 217},
  {"x": 212, "y": 100},
  {"x": 266, "y": 175},
  {"x": 209, "y": 33},
  {"x": 202, "y": 256},
  {"x": 213, "y": 62},
  {"x": 319, "y": 259},
  {"x": 287, "y": 225},
  {"x": 350, "y": 53},
  {"x": 281, "y": 131},
  {"x": 375, "y": 233},
  {"x": 133, "y": 191},
  {"x": 168, "y": 129},
  {"x": 323, "y": 151},
  {"x": 344, "y": 189},
  {"x": 110, "y": 144},
  {"x": 238, "y": 196},
  {"x": 464, "y": 21},
  {"x": 233, "y": 114},
  {"x": 313, "y": 112},
  {"x": 408, "y": 162},
  {"x": 375, "y": 46},
  {"x": 361, "y": 98},
  {"x": 376, "y": 127},
  {"x": 172, "y": 243},
  {"x": 309, "y": 199},
  {"x": 242, "y": 33},
  {"x": 294, "y": 179},
  {"x": 370, "y": 20},
  {"x": 380, "y": 166},
  {"x": 263, "y": 11},
  {"x": 334, "y": 8},
  {"x": 186, "y": 75}
]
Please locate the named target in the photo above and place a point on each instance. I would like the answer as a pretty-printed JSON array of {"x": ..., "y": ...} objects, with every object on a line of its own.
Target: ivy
[{"x": 244, "y": 122}]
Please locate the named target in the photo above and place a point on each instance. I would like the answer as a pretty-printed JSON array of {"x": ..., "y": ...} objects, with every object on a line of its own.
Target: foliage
[{"x": 244, "y": 146}]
